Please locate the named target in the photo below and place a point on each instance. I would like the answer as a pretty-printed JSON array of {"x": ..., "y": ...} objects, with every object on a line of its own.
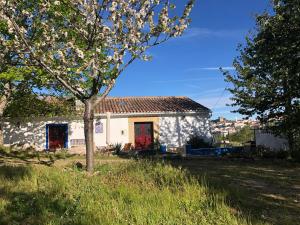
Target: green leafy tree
[
  {"x": 21, "y": 95},
  {"x": 25, "y": 104},
  {"x": 267, "y": 79},
  {"x": 86, "y": 45},
  {"x": 20, "y": 85},
  {"x": 243, "y": 135},
  {"x": 23, "y": 91}
]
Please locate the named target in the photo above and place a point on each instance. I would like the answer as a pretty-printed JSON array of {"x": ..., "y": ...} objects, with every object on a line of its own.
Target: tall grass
[{"x": 130, "y": 193}]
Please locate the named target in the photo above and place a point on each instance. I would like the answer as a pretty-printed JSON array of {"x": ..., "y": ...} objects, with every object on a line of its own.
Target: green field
[{"x": 43, "y": 189}]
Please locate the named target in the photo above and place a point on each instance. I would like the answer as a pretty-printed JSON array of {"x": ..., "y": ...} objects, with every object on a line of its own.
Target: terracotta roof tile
[{"x": 149, "y": 105}]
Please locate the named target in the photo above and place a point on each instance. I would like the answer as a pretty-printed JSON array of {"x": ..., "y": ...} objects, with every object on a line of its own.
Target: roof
[{"x": 156, "y": 104}]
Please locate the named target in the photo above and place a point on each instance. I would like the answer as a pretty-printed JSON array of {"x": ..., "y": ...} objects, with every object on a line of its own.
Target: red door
[
  {"x": 57, "y": 136},
  {"x": 143, "y": 135}
]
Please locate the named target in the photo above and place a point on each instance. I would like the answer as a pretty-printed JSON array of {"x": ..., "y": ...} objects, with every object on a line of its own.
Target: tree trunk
[
  {"x": 291, "y": 140},
  {"x": 3, "y": 103},
  {"x": 288, "y": 113},
  {"x": 88, "y": 119},
  {"x": 4, "y": 99}
]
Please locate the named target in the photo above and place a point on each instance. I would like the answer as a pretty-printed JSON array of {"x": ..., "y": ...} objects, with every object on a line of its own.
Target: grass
[
  {"x": 267, "y": 191},
  {"x": 125, "y": 191},
  {"x": 30, "y": 156}
]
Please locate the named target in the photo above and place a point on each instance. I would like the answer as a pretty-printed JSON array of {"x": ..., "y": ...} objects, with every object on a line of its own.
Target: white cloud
[
  {"x": 214, "y": 102},
  {"x": 200, "y": 32},
  {"x": 210, "y": 68},
  {"x": 182, "y": 80},
  {"x": 215, "y": 99},
  {"x": 209, "y": 92}
]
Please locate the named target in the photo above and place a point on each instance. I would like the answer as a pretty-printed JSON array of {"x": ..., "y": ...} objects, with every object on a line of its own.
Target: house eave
[
  {"x": 104, "y": 115},
  {"x": 146, "y": 114}
]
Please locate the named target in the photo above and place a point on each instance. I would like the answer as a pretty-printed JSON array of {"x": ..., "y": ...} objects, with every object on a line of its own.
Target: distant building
[{"x": 223, "y": 127}]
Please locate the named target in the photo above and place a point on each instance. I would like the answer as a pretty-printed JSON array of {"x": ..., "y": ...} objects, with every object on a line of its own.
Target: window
[{"x": 77, "y": 142}]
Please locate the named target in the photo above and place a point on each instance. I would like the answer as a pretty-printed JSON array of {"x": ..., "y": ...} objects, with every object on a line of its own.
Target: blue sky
[{"x": 188, "y": 66}]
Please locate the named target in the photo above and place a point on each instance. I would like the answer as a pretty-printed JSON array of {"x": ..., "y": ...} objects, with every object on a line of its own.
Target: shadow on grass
[
  {"x": 36, "y": 208},
  {"x": 14, "y": 172},
  {"x": 31, "y": 206},
  {"x": 259, "y": 191},
  {"x": 30, "y": 156}
]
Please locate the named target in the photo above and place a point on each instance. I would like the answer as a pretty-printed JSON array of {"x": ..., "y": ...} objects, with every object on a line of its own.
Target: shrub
[
  {"x": 62, "y": 154},
  {"x": 282, "y": 154},
  {"x": 156, "y": 144},
  {"x": 268, "y": 153},
  {"x": 295, "y": 156},
  {"x": 4, "y": 150},
  {"x": 198, "y": 142},
  {"x": 117, "y": 148}
]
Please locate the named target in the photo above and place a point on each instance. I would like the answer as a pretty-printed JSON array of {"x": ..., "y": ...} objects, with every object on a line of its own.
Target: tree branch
[
  {"x": 105, "y": 93},
  {"x": 74, "y": 91}
]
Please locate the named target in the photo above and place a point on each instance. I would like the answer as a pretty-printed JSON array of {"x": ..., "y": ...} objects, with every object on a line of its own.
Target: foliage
[
  {"x": 21, "y": 95},
  {"x": 128, "y": 193},
  {"x": 198, "y": 142},
  {"x": 296, "y": 156},
  {"x": 26, "y": 104},
  {"x": 267, "y": 153},
  {"x": 17, "y": 79},
  {"x": 62, "y": 154},
  {"x": 239, "y": 138},
  {"x": 82, "y": 44},
  {"x": 243, "y": 135},
  {"x": 267, "y": 82},
  {"x": 217, "y": 139},
  {"x": 282, "y": 154},
  {"x": 156, "y": 144},
  {"x": 117, "y": 147}
]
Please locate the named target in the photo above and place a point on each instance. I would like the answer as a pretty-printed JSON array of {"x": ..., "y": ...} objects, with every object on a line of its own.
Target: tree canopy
[
  {"x": 267, "y": 79},
  {"x": 21, "y": 84},
  {"x": 82, "y": 44}
]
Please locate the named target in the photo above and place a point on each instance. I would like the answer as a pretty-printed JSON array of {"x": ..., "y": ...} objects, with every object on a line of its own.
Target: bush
[
  {"x": 268, "y": 153},
  {"x": 62, "y": 154},
  {"x": 282, "y": 154},
  {"x": 198, "y": 142},
  {"x": 117, "y": 148},
  {"x": 295, "y": 156}
]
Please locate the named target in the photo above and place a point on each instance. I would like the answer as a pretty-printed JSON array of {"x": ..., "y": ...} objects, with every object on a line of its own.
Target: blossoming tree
[{"x": 86, "y": 44}]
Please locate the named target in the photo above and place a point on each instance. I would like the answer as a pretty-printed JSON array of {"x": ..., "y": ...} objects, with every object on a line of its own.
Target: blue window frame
[{"x": 66, "y": 130}]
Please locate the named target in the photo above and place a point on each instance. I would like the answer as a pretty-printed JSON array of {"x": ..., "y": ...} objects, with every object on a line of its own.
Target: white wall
[
  {"x": 269, "y": 140},
  {"x": 31, "y": 133},
  {"x": 175, "y": 130},
  {"x": 34, "y": 133},
  {"x": 117, "y": 125},
  {"x": 119, "y": 130},
  {"x": 100, "y": 138}
]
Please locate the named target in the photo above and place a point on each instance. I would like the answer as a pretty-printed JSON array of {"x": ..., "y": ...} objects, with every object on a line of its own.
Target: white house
[{"x": 137, "y": 120}]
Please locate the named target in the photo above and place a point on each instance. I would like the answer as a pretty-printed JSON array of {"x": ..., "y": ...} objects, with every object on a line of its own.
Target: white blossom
[
  {"x": 79, "y": 53},
  {"x": 89, "y": 45}
]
